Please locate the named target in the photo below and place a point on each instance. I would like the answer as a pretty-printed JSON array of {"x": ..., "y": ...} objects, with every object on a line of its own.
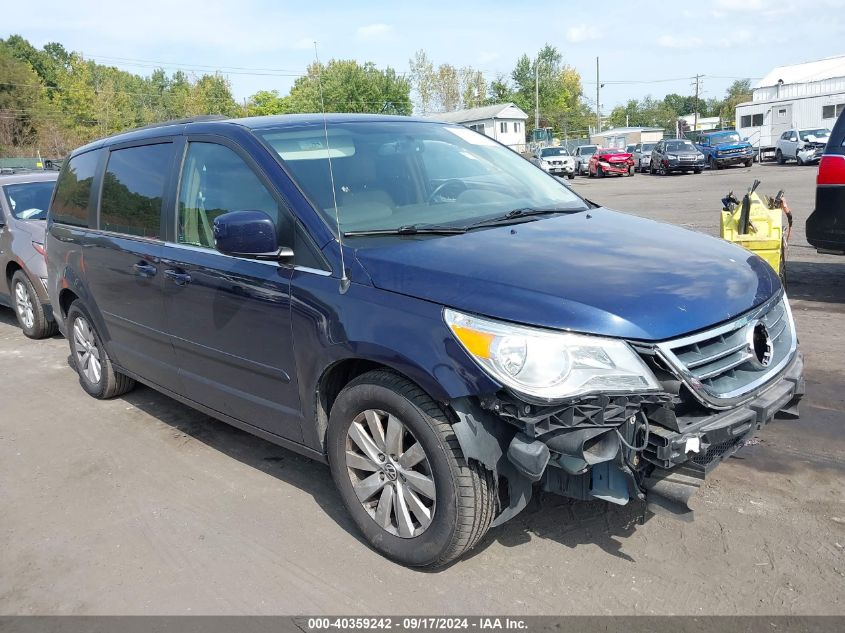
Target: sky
[{"x": 644, "y": 47}]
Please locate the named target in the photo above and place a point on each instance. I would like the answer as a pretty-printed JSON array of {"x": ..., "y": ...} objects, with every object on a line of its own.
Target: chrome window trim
[
  {"x": 746, "y": 392},
  {"x": 206, "y": 249}
]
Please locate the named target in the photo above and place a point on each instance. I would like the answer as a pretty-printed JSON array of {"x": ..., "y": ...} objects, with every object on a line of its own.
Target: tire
[
  {"x": 799, "y": 160},
  {"x": 779, "y": 157},
  {"x": 749, "y": 162},
  {"x": 713, "y": 164},
  {"x": 631, "y": 171},
  {"x": 599, "y": 172},
  {"x": 464, "y": 492},
  {"x": 571, "y": 176},
  {"x": 662, "y": 170},
  {"x": 651, "y": 170},
  {"x": 696, "y": 171},
  {"x": 90, "y": 358},
  {"x": 28, "y": 309}
]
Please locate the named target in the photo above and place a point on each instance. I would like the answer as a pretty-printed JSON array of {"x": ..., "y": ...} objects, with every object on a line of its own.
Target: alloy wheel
[
  {"x": 86, "y": 350},
  {"x": 390, "y": 473},
  {"x": 23, "y": 304}
]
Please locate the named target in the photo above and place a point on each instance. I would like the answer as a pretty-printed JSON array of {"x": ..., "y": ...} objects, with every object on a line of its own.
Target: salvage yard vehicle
[
  {"x": 722, "y": 148},
  {"x": 642, "y": 156},
  {"x": 805, "y": 147},
  {"x": 607, "y": 161},
  {"x": 24, "y": 199},
  {"x": 555, "y": 160},
  {"x": 582, "y": 158},
  {"x": 446, "y": 325},
  {"x": 675, "y": 154},
  {"x": 825, "y": 227}
]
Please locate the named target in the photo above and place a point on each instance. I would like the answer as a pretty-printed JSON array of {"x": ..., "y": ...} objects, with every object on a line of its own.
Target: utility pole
[
  {"x": 598, "y": 102},
  {"x": 697, "y": 80},
  {"x": 537, "y": 93}
]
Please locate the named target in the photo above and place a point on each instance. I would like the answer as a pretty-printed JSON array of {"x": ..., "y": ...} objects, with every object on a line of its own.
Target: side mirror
[
  {"x": 745, "y": 138},
  {"x": 250, "y": 234}
]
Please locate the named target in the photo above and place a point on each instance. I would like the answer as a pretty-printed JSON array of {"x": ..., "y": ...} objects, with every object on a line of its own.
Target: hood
[
  {"x": 599, "y": 272},
  {"x": 729, "y": 144},
  {"x": 613, "y": 158}
]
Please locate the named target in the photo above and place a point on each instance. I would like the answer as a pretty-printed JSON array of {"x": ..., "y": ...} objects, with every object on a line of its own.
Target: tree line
[{"x": 53, "y": 100}]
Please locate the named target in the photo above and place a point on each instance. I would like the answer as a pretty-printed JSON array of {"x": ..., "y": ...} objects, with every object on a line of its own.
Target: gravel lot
[{"x": 140, "y": 505}]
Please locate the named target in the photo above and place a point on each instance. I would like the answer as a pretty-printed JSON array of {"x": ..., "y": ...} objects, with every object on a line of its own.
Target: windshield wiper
[
  {"x": 519, "y": 215},
  {"x": 411, "y": 229}
]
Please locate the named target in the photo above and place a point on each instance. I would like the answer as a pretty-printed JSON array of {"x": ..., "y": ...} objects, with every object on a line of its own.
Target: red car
[{"x": 611, "y": 161}]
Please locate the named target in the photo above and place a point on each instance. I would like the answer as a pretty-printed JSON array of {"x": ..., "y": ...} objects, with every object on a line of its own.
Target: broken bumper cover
[
  {"x": 680, "y": 472},
  {"x": 664, "y": 469}
]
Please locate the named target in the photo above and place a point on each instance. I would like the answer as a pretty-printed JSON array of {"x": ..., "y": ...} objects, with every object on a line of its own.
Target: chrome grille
[{"x": 721, "y": 365}]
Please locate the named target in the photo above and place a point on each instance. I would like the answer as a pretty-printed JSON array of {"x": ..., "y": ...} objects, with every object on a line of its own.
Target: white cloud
[
  {"x": 671, "y": 41},
  {"x": 373, "y": 31},
  {"x": 582, "y": 33}
]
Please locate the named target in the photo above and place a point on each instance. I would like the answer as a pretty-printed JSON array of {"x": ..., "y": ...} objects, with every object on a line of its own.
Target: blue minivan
[{"x": 446, "y": 325}]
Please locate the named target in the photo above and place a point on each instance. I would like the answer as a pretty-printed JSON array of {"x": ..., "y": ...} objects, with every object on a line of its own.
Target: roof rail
[{"x": 191, "y": 119}]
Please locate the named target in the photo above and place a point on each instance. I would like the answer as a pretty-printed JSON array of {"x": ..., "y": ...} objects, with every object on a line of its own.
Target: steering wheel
[{"x": 452, "y": 182}]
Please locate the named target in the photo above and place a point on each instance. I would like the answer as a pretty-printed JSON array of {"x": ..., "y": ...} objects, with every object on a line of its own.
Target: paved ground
[{"x": 140, "y": 505}]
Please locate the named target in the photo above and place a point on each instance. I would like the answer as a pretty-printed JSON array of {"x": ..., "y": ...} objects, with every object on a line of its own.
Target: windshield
[
  {"x": 391, "y": 174},
  {"x": 612, "y": 150},
  {"x": 554, "y": 151},
  {"x": 679, "y": 146},
  {"x": 647, "y": 147},
  {"x": 731, "y": 137},
  {"x": 29, "y": 200},
  {"x": 805, "y": 134},
  {"x": 588, "y": 149}
]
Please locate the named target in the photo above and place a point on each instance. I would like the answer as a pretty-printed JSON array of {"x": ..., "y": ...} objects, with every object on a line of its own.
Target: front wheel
[
  {"x": 90, "y": 358},
  {"x": 713, "y": 164},
  {"x": 571, "y": 175},
  {"x": 28, "y": 309},
  {"x": 599, "y": 172},
  {"x": 779, "y": 157},
  {"x": 402, "y": 475}
]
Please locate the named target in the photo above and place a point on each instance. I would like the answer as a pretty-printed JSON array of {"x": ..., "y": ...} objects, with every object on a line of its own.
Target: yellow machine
[{"x": 756, "y": 223}]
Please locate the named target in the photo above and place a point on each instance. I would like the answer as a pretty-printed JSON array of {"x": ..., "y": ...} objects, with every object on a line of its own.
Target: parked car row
[{"x": 413, "y": 303}]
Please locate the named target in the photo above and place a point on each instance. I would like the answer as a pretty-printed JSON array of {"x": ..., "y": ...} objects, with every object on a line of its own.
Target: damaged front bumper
[{"x": 648, "y": 447}]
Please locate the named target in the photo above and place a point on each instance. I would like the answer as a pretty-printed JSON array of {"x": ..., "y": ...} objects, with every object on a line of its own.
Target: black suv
[
  {"x": 675, "y": 154},
  {"x": 826, "y": 225}
]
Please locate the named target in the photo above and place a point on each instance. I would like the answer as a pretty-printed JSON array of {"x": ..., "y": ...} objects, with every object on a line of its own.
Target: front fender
[{"x": 369, "y": 324}]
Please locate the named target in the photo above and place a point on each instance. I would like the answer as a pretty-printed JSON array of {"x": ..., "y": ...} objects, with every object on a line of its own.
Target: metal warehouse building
[{"x": 809, "y": 95}]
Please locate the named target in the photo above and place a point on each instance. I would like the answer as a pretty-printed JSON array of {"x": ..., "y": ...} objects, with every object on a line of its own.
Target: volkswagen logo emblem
[
  {"x": 760, "y": 345},
  {"x": 390, "y": 471}
]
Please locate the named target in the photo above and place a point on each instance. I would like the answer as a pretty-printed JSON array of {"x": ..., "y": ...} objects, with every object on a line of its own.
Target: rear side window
[
  {"x": 73, "y": 190},
  {"x": 133, "y": 190}
]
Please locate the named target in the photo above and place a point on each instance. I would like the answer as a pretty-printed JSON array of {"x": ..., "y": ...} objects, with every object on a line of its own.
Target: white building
[
  {"x": 809, "y": 95},
  {"x": 504, "y": 122},
  {"x": 702, "y": 123},
  {"x": 620, "y": 137}
]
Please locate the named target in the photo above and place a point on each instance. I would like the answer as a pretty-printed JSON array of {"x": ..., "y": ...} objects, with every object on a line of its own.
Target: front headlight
[
  {"x": 672, "y": 156},
  {"x": 699, "y": 156},
  {"x": 544, "y": 365},
  {"x": 544, "y": 165}
]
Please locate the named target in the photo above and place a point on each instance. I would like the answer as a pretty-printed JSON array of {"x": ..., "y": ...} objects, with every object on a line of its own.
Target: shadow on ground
[
  {"x": 820, "y": 281},
  {"x": 569, "y": 522}
]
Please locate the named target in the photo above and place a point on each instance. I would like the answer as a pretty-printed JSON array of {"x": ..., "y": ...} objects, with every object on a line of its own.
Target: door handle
[
  {"x": 144, "y": 269},
  {"x": 180, "y": 279}
]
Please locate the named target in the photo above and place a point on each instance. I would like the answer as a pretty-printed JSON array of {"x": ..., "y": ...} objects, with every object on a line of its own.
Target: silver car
[
  {"x": 642, "y": 156},
  {"x": 24, "y": 199}
]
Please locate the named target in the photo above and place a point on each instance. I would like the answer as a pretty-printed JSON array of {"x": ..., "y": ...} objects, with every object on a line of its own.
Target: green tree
[
  {"x": 22, "y": 101},
  {"x": 266, "y": 102},
  {"x": 348, "y": 86},
  {"x": 560, "y": 91}
]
